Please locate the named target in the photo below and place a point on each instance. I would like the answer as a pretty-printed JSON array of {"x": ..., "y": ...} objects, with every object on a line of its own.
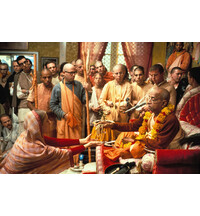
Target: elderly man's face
[
  {"x": 3, "y": 70},
  {"x": 156, "y": 77},
  {"x": 69, "y": 73},
  {"x": 6, "y": 122},
  {"x": 154, "y": 102}
]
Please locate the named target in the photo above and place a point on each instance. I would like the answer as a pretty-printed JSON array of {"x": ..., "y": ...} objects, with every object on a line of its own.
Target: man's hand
[
  {"x": 65, "y": 116},
  {"x": 106, "y": 124},
  {"x": 85, "y": 140},
  {"x": 127, "y": 140},
  {"x": 87, "y": 86},
  {"x": 93, "y": 144}
]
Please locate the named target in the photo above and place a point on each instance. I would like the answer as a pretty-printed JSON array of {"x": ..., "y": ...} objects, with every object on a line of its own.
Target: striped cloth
[{"x": 30, "y": 154}]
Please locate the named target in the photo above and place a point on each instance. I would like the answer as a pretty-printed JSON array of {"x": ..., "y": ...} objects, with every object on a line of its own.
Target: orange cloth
[
  {"x": 44, "y": 96},
  {"x": 70, "y": 103},
  {"x": 116, "y": 94},
  {"x": 183, "y": 63},
  {"x": 30, "y": 154}
]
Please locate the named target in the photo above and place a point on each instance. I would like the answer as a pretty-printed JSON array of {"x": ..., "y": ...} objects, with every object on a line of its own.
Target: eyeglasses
[
  {"x": 3, "y": 69},
  {"x": 20, "y": 64},
  {"x": 152, "y": 99},
  {"x": 72, "y": 73}
]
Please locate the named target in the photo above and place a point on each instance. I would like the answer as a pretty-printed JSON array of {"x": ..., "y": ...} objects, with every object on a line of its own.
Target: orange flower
[{"x": 158, "y": 124}]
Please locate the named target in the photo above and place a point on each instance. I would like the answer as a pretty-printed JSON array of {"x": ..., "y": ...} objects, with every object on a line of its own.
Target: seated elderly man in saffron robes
[
  {"x": 158, "y": 129},
  {"x": 33, "y": 153}
]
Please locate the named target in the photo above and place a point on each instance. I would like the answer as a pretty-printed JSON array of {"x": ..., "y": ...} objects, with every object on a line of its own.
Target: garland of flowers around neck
[{"x": 158, "y": 124}]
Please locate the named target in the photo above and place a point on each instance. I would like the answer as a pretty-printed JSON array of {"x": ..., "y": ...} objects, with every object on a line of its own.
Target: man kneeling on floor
[{"x": 157, "y": 129}]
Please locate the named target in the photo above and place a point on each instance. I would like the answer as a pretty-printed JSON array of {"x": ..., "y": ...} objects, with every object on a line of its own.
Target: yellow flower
[{"x": 158, "y": 124}]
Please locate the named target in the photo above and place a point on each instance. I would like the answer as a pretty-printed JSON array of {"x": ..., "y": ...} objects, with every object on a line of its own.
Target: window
[
  {"x": 113, "y": 55},
  {"x": 9, "y": 57}
]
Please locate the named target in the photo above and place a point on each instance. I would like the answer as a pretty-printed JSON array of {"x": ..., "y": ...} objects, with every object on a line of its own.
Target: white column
[{"x": 62, "y": 52}]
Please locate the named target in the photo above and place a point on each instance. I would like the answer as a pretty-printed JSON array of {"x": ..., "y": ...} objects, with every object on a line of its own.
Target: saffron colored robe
[
  {"x": 168, "y": 137},
  {"x": 116, "y": 94},
  {"x": 75, "y": 106},
  {"x": 44, "y": 96},
  {"x": 178, "y": 59}
]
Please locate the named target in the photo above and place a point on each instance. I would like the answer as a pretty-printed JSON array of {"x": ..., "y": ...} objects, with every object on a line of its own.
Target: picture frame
[{"x": 45, "y": 59}]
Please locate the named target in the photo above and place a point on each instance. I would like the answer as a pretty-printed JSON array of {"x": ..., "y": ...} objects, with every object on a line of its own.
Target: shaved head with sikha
[{"x": 46, "y": 77}]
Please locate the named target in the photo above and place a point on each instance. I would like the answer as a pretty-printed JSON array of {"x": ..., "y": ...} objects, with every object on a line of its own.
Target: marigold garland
[{"x": 158, "y": 124}]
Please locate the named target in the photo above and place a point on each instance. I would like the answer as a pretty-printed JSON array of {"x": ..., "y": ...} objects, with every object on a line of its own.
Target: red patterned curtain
[
  {"x": 97, "y": 50},
  {"x": 138, "y": 53}
]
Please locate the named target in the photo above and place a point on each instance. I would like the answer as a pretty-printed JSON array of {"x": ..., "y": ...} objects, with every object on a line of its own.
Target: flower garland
[{"x": 158, "y": 124}]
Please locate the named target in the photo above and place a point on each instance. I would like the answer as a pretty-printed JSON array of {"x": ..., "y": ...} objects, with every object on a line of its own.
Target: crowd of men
[{"x": 62, "y": 93}]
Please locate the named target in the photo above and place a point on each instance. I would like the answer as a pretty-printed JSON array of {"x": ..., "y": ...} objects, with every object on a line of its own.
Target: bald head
[
  {"x": 161, "y": 93},
  {"x": 120, "y": 73},
  {"x": 79, "y": 67},
  {"x": 45, "y": 71},
  {"x": 69, "y": 71},
  {"x": 79, "y": 61},
  {"x": 68, "y": 66},
  {"x": 119, "y": 66},
  {"x": 46, "y": 78}
]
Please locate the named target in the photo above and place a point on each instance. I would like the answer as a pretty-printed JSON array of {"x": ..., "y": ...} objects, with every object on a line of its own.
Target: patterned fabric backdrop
[
  {"x": 97, "y": 50},
  {"x": 138, "y": 53}
]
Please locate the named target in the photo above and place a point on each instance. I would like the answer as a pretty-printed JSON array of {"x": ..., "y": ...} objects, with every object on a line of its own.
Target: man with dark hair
[
  {"x": 51, "y": 66},
  {"x": 140, "y": 88},
  {"x": 21, "y": 60},
  {"x": 178, "y": 82},
  {"x": 179, "y": 58},
  {"x": 156, "y": 75},
  {"x": 23, "y": 86},
  {"x": 5, "y": 99},
  {"x": 132, "y": 72}
]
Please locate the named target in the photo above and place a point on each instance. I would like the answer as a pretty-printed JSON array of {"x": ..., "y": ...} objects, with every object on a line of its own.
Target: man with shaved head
[
  {"x": 44, "y": 95},
  {"x": 114, "y": 95},
  {"x": 80, "y": 73},
  {"x": 66, "y": 102},
  {"x": 158, "y": 129}
]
